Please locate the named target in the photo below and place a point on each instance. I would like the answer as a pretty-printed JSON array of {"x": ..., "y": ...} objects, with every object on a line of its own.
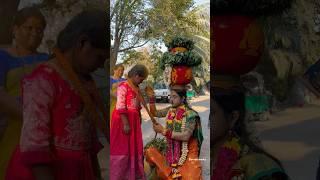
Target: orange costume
[{"x": 181, "y": 157}]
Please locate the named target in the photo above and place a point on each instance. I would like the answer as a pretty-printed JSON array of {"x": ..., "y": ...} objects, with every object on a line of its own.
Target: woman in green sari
[{"x": 183, "y": 134}]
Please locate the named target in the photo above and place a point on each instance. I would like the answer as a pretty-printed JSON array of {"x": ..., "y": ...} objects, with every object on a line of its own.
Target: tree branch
[
  {"x": 115, "y": 9},
  {"x": 132, "y": 47}
]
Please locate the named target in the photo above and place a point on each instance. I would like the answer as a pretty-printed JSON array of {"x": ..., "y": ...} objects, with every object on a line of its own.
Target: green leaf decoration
[
  {"x": 158, "y": 143},
  {"x": 188, "y": 58},
  {"x": 181, "y": 42}
]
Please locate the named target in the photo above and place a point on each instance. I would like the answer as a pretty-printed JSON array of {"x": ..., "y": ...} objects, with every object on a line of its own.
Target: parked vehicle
[{"x": 162, "y": 92}]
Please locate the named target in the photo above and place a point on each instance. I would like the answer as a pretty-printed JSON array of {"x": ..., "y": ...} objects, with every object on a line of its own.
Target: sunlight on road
[
  {"x": 200, "y": 108},
  {"x": 289, "y": 117}
]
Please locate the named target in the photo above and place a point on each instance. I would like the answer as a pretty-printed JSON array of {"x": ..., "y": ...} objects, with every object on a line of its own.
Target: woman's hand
[
  {"x": 126, "y": 129},
  {"x": 158, "y": 128},
  {"x": 125, "y": 122}
]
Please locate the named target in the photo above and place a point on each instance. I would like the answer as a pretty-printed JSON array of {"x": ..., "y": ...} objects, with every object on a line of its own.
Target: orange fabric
[{"x": 190, "y": 170}]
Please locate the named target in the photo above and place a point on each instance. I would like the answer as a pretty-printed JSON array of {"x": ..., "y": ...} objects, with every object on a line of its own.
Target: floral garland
[
  {"x": 185, "y": 150},
  {"x": 180, "y": 150},
  {"x": 174, "y": 146},
  {"x": 228, "y": 156}
]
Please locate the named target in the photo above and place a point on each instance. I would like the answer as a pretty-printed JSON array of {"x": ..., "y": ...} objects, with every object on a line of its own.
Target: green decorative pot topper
[
  {"x": 179, "y": 41},
  {"x": 180, "y": 53}
]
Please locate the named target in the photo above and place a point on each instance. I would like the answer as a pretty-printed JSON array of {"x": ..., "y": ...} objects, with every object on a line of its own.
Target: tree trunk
[
  {"x": 8, "y": 9},
  {"x": 113, "y": 58},
  {"x": 114, "y": 52}
]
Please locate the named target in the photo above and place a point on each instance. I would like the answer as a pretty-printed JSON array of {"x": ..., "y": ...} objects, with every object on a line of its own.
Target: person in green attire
[
  {"x": 15, "y": 62},
  {"x": 257, "y": 100}
]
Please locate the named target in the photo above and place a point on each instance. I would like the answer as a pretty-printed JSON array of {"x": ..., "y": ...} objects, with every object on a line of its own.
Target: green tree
[
  {"x": 128, "y": 26},
  {"x": 148, "y": 57},
  {"x": 200, "y": 34},
  {"x": 193, "y": 24},
  {"x": 152, "y": 22},
  {"x": 138, "y": 22}
]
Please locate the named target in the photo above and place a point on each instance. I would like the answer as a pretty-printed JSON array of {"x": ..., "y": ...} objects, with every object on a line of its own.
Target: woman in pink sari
[
  {"x": 126, "y": 145},
  {"x": 62, "y": 108}
]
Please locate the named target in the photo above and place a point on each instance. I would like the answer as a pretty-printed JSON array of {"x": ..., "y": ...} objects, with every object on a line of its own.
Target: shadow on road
[{"x": 297, "y": 146}]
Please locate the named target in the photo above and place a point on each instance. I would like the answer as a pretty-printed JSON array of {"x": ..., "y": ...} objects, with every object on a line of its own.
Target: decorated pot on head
[
  {"x": 177, "y": 63},
  {"x": 238, "y": 38}
]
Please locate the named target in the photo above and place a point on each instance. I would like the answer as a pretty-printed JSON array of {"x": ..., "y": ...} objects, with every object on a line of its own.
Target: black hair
[
  {"x": 27, "y": 12},
  {"x": 235, "y": 101},
  {"x": 139, "y": 70},
  {"x": 91, "y": 23},
  {"x": 181, "y": 92}
]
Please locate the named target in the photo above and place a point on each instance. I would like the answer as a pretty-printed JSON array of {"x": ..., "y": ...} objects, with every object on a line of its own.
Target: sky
[
  {"x": 201, "y": 1},
  {"x": 198, "y": 2}
]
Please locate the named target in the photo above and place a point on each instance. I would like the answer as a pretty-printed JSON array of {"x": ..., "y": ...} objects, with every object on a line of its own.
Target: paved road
[
  {"x": 202, "y": 105},
  {"x": 293, "y": 136}
]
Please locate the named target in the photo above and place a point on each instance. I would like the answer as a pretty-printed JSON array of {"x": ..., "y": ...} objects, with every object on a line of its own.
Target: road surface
[{"x": 293, "y": 136}]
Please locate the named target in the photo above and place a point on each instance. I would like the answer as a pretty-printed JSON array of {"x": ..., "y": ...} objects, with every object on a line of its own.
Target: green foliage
[
  {"x": 168, "y": 18},
  {"x": 156, "y": 55},
  {"x": 160, "y": 21},
  {"x": 150, "y": 58},
  {"x": 188, "y": 58},
  {"x": 159, "y": 143},
  {"x": 181, "y": 42}
]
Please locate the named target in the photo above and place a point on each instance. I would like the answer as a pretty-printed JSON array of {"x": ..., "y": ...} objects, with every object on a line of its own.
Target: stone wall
[{"x": 292, "y": 44}]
